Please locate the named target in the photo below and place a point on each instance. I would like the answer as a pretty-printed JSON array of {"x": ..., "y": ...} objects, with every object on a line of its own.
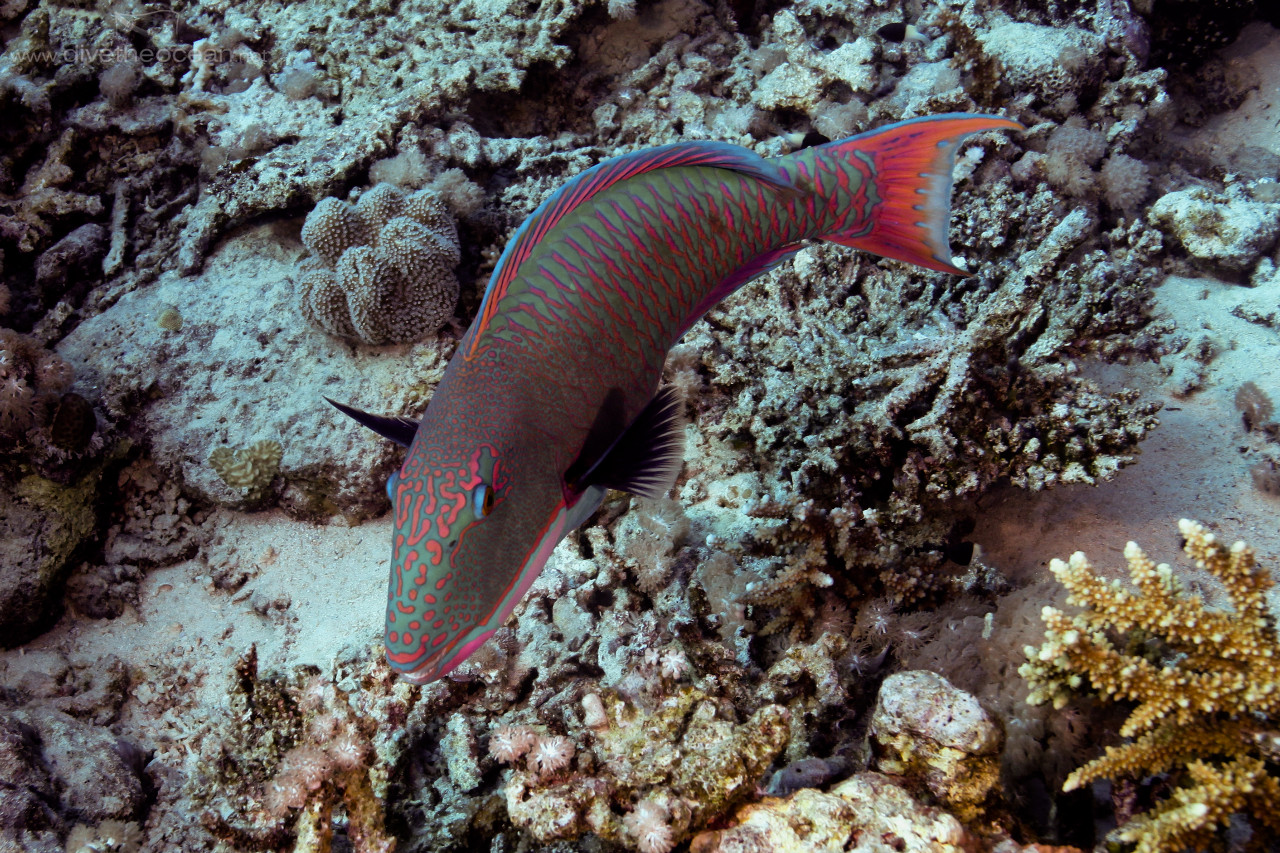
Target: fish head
[{"x": 467, "y": 543}]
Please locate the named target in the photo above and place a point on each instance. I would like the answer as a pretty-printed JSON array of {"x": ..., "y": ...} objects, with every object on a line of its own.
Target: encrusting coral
[
  {"x": 295, "y": 753},
  {"x": 1208, "y": 703},
  {"x": 676, "y": 768},
  {"x": 249, "y": 469},
  {"x": 382, "y": 271}
]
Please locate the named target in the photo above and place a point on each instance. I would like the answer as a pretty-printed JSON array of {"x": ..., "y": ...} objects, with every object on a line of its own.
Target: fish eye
[{"x": 482, "y": 499}]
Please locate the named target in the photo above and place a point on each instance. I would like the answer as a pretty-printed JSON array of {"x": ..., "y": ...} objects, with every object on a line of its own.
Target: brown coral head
[
  {"x": 73, "y": 423},
  {"x": 382, "y": 271},
  {"x": 1254, "y": 406}
]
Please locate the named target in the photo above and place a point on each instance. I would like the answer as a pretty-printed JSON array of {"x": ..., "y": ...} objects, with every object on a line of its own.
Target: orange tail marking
[{"x": 912, "y": 163}]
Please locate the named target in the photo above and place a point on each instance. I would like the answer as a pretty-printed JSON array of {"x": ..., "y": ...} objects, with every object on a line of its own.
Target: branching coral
[
  {"x": 1208, "y": 703},
  {"x": 383, "y": 267},
  {"x": 881, "y": 416},
  {"x": 792, "y": 591}
]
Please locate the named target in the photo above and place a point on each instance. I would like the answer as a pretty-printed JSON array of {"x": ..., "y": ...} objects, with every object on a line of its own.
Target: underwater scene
[{"x": 727, "y": 426}]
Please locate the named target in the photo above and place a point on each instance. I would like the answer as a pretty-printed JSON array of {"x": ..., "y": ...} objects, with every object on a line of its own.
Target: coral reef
[
  {"x": 385, "y": 271},
  {"x": 1203, "y": 679},
  {"x": 86, "y": 171},
  {"x": 861, "y": 416},
  {"x": 682, "y": 764},
  {"x": 300, "y": 749},
  {"x": 851, "y": 419}
]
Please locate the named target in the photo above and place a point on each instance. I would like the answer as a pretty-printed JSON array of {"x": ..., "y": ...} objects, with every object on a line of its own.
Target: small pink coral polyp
[
  {"x": 550, "y": 754},
  {"x": 509, "y": 743}
]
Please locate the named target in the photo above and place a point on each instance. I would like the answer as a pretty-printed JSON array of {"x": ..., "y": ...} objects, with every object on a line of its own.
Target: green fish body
[{"x": 553, "y": 395}]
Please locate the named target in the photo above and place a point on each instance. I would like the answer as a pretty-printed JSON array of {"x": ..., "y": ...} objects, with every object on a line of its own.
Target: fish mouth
[
  {"x": 420, "y": 672},
  {"x": 419, "y": 676},
  {"x": 427, "y": 671},
  {"x": 445, "y": 660}
]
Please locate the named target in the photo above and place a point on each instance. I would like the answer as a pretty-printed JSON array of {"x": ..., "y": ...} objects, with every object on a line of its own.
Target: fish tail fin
[{"x": 907, "y": 201}]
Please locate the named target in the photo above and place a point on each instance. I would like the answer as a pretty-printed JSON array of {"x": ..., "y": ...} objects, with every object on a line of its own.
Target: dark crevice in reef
[
  {"x": 750, "y": 15},
  {"x": 552, "y": 100},
  {"x": 1184, "y": 33},
  {"x": 542, "y": 106}
]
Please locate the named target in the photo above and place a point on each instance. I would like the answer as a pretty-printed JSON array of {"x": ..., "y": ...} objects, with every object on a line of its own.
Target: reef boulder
[
  {"x": 1224, "y": 231},
  {"x": 926, "y": 729}
]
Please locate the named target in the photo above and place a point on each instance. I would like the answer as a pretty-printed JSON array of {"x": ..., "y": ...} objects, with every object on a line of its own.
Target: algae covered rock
[
  {"x": 866, "y": 813},
  {"x": 926, "y": 729},
  {"x": 1050, "y": 61},
  {"x": 42, "y": 523},
  {"x": 1217, "y": 229},
  {"x": 28, "y": 785},
  {"x": 97, "y": 774},
  {"x": 56, "y": 772}
]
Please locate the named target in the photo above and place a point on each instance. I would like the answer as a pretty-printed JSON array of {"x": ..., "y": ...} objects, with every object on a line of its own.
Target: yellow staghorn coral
[{"x": 1208, "y": 699}]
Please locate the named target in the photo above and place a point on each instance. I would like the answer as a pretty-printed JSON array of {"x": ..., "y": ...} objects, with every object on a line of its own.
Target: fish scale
[
  {"x": 552, "y": 397},
  {"x": 635, "y": 288}
]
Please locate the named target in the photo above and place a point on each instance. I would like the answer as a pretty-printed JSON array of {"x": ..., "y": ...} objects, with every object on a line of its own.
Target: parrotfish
[{"x": 553, "y": 396}]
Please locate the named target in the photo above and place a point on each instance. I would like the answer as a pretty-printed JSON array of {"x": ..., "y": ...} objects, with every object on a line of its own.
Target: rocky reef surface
[{"x": 805, "y": 646}]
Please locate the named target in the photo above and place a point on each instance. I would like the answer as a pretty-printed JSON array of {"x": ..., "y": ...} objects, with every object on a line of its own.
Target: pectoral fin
[
  {"x": 647, "y": 457},
  {"x": 400, "y": 430}
]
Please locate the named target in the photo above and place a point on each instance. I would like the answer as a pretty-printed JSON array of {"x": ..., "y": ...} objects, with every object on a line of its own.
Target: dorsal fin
[
  {"x": 646, "y": 459},
  {"x": 400, "y": 430},
  {"x": 719, "y": 155}
]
